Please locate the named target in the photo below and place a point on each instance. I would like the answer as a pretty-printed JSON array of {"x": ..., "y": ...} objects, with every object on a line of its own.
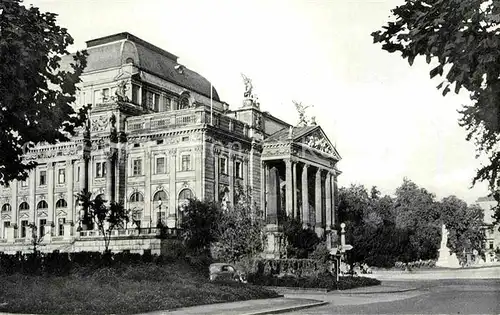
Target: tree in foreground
[
  {"x": 461, "y": 39},
  {"x": 35, "y": 92},
  {"x": 200, "y": 225},
  {"x": 107, "y": 217}
]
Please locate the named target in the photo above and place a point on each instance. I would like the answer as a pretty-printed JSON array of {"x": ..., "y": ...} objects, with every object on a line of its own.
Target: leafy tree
[
  {"x": 461, "y": 39},
  {"x": 464, "y": 225},
  {"x": 200, "y": 224},
  {"x": 106, "y": 217},
  {"x": 300, "y": 241},
  {"x": 240, "y": 235},
  {"x": 35, "y": 92}
]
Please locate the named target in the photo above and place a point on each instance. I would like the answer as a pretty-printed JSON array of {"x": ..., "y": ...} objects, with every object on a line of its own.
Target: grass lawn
[{"x": 129, "y": 289}]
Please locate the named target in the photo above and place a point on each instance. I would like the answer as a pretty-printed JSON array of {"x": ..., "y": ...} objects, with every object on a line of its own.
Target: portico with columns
[{"x": 305, "y": 161}]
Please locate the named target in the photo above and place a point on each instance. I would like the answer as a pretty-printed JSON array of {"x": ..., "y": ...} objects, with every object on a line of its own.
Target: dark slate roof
[
  {"x": 297, "y": 132},
  {"x": 114, "y": 50}
]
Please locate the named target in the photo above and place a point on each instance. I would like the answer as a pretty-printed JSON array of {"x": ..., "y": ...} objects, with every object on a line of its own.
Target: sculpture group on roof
[{"x": 316, "y": 142}]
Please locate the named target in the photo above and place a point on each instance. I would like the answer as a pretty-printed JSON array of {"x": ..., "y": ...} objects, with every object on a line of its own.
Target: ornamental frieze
[
  {"x": 319, "y": 143},
  {"x": 100, "y": 123}
]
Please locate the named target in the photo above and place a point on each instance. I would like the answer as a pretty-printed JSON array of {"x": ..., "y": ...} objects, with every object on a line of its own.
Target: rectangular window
[
  {"x": 24, "y": 183},
  {"x": 165, "y": 104},
  {"x": 491, "y": 245},
  {"x": 185, "y": 162},
  {"x": 24, "y": 227},
  {"x": 41, "y": 229},
  {"x": 61, "y": 176},
  {"x": 136, "y": 92},
  {"x": 6, "y": 224},
  {"x": 61, "y": 226},
  {"x": 100, "y": 169},
  {"x": 223, "y": 165},
  {"x": 136, "y": 167},
  {"x": 238, "y": 169},
  {"x": 105, "y": 95},
  {"x": 78, "y": 174},
  {"x": 97, "y": 96},
  {"x": 43, "y": 178},
  {"x": 160, "y": 165},
  {"x": 152, "y": 100}
]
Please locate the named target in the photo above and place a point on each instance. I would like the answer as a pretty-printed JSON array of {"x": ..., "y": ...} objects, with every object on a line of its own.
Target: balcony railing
[
  {"x": 163, "y": 232},
  {"x": 185, "y": 117}
]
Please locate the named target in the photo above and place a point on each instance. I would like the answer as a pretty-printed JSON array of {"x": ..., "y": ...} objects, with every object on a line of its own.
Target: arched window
[
  {"x": 185, "y": 194},
  {"x": 42, "y": 205},
  {"x": 6, "y": 207},
  {"x": 137, "y": 197},
  {"x": 160, "y": 195},
  {"x": 24, "y": 206},
  {"x": 61, "y": 203}
]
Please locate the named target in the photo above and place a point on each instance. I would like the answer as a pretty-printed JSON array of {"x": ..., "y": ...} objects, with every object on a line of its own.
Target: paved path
[
  {"x": 252, "y": 307},
  {"x": 434, "y": 274},
  {"x": 460, "y": 296}
]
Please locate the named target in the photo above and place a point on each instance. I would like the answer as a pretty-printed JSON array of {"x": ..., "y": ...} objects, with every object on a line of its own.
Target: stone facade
[
  {"x": 157, "y": 135},
  {"x": 491, "y": 231}
]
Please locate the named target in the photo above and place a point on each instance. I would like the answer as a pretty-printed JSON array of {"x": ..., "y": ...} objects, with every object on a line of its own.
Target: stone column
[
  {"x": 110, "y": 177},
  {"x": 231, "y": 178},
  {"x": 289, "y": 187},
  {"x": 216, "y": 176},
  {"x": 295, "y": 209},
  {"x": 147, "y": 187},
  {"x": 50, "y": 195},
  {"x": 14, "y": 207},
  {"x": 172, "y": 189},
  {"x": 263, "y": 181},
  {"x": 305, "y": 196},
  {"x": 32, "y": 197},
  {"x": 317, "y": 205},
  {"x": 70, "y": 193},
  {"x": 328, "y": 206},
  {"x": 273, "y": 206},
  {"x": 198, "y": 169},
  {"x": 328, "y": 201}
]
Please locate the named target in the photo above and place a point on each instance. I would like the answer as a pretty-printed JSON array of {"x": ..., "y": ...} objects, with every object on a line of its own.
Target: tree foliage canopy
[
  {"x": 35, "y": 92},
  {"x": 406, "y": 227},
  {"x": 462, "y": 40}
]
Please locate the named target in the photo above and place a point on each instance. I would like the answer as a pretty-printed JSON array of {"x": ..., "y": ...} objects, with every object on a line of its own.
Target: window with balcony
[
  {"x": 160, "y": 165},
  {"x": 61, "y": 176},
  {"x": 136, "y": 167},
  {"x": 24, "y": 227},
  {"x": 223, "y": 165},
  {"x": 42, "y": 179},
  {"x": 185, "y": 162},
  {"x": 238, "y": 168},
  {"x": 165, "y": 104},
  {"x": 100, "y": 169},
  {"x": 153, "y": 100},
  {"x": 60, "y": 231},
  {"x": 41, "y": 229}
]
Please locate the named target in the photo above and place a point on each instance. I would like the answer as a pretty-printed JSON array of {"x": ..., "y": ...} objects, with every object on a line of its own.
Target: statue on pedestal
[
  {"x": 248, "y": 86},
  {"x": 301, "y": 110}
]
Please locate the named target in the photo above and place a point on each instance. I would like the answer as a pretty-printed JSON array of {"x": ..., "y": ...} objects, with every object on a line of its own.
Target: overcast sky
[{"x": 386, "y": 118}]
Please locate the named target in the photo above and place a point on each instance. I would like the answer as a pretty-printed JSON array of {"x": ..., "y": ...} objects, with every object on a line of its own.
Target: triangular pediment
[{"x": 317, "y": 139}]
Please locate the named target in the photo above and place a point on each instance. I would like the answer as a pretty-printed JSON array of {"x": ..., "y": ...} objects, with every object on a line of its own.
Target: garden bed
[
  {"x": 126, "y": 289},
  {"x": 320, "y": 281}
]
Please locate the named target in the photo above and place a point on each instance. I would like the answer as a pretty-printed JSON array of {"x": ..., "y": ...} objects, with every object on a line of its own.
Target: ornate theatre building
[{"x": 157, "y": 135}]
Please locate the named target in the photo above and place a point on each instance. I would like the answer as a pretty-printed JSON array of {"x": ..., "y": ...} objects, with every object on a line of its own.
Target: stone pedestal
[
  {"x": 275, "y": 246},
  {"x": 446, "y": 258},
  {"x": 9, "y": 234},
  {"x": 67, "y": 231},
  {"x": 47, "y": 237}
]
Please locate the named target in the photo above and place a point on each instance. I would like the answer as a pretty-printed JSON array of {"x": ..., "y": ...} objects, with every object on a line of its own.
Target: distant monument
[{"x": 446, "y": 258}]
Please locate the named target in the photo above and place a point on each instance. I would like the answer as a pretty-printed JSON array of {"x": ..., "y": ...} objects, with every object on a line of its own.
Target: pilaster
[
  {"x": 70, "y": 193},
  {"x": 328, "y": 201},
  {"x": 216, "y": 175},
  {"x": 147, "y": 187},
  {"x": 50, "y": 194},
  {"x": 173, "y": 193},
  {"x": 317, "y": 204},
  {"x": 231, "y": 178},
  {"x": 295, "y": 209},
  {"x": 305, "y": 196},
  {"x": 289, "y": 187},
  {"x": 14, "y": 205}
]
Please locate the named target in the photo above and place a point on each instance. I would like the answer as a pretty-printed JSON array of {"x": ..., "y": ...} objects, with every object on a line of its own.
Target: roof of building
[
  {"x": 283, "y": 134},
  {"x": 115, "y": 50},
  {"x": 485, "y": 199}
]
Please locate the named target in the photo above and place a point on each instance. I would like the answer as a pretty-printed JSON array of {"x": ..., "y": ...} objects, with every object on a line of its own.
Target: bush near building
[{"x": 96, "y": 283}]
